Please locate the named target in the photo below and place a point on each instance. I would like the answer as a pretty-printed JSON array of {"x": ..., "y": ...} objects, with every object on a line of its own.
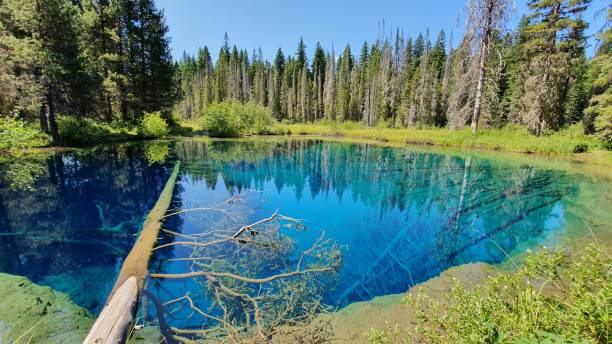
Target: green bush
[
  {"x": 581, "y": 147},
  {"x": 555, "y": 297},
  {"x": 153, "y": 125},
  {"x": 232, "y": 119},
  {"x": 15, "y": 133},
  {"x": 82, "y": 131}
]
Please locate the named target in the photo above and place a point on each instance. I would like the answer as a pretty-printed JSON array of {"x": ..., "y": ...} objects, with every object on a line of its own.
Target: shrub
[
  {"x": 15, "y": 133},
  {"x": 581, "y": 147},
  {"x": 554, "y": 298},
  {"x": 153, "y": 125},
  {"x": 232, "y": 119},
  {"x": 220, "y": 120},
  {"x": 82, "y": 131}
]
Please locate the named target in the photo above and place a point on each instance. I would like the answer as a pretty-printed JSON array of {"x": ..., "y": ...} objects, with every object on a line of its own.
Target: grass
[
  {"x": 511, "y": 138},
  {"x": 556, "y": 296}
]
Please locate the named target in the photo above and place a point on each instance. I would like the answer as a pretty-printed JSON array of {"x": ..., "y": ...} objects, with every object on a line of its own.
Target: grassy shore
[
  {"x": 566, "y": 145},
  {"x": 510, "y": 139}
]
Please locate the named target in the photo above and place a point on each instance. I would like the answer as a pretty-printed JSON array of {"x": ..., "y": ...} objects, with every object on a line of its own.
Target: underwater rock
[{"x": 35, "y": 314}]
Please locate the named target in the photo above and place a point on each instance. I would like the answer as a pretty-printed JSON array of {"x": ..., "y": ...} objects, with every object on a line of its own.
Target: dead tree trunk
[
  {"x": 484, "y": 50},
  {"x": 118, "y": 315}
]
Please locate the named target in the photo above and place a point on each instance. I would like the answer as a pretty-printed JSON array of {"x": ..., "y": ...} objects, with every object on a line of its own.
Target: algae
[{"x": 30, "y": 313}]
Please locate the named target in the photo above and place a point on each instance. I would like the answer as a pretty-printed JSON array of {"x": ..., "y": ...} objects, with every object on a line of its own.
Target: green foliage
[
  {"x": 599, "y": 111},
  {"x": 70, "y": 57},
  {"x": 82, "y": 131},
  {"x": 556, "y": 297},
  {"x": 153, "y": 125},
  {"x": 15, "y": 133},
  {"x": 232, "y": 119}
]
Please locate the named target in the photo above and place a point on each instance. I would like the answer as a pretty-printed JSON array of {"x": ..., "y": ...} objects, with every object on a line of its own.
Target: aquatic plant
[{"x": 555, "y": 297}]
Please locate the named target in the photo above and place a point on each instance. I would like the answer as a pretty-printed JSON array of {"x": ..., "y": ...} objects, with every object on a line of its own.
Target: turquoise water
[{"x": 398, "y": 216}]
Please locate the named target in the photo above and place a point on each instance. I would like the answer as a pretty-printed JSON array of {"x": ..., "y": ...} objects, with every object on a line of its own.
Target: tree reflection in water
[
  {"x": 401, "y": 216},
  {"x": 71, "y": 225}
]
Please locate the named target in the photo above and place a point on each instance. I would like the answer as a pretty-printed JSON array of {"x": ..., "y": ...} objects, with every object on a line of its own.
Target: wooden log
[
  {"x": 114, "y": 323},
  {"x": 137, "y": 261}
]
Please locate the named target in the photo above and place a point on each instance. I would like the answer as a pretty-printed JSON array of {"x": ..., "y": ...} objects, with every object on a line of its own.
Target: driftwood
[{"x": 117, "y": 317}]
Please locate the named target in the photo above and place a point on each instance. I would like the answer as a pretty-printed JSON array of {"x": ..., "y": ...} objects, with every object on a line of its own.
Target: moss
[{"x": 36, "y": 314}]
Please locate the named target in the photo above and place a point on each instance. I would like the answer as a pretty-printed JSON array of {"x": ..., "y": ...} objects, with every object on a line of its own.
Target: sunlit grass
[{"x": 511, "y": 138}]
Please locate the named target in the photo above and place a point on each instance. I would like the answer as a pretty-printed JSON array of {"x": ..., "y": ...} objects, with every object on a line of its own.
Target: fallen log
[{"x": 115, "y": 322}]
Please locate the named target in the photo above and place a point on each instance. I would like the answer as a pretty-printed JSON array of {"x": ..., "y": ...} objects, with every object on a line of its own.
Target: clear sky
[{"x": 271, "y": 24}]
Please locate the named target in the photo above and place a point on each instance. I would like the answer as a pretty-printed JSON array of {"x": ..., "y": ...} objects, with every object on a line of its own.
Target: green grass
[
  {"x": 511, "y": 138},
  {"x": 555, "y": 297}
]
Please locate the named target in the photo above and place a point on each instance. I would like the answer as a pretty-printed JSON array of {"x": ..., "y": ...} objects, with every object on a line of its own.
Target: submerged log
[{"x": 115, "y": 322}]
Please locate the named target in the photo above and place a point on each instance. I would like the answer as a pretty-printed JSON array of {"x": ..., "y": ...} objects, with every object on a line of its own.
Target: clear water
[{"x": 400, "y": 216}]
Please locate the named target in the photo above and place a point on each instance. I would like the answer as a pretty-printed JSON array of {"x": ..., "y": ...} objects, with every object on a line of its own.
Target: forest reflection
[
  {"x": 68, "y": 219},
  {"x": 400, "y": 216}
]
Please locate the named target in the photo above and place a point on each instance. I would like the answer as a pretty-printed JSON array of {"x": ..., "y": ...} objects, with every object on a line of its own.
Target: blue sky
[{"x": 270, "y": 24}]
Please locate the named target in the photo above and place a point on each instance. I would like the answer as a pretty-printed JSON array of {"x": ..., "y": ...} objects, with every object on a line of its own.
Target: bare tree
[{"x": 484, "y": 18}]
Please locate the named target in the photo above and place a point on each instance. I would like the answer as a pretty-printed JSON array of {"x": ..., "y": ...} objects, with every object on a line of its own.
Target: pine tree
[
  {"x": 550, "y": 48},
  {"x": 300, "y": 56},
  {"x": 221, "y": 71},
  {"x": 329, "y": 89},
  {"x": 318, "y": 71},
  {"x": 598, "y": 116},
  {"x": 343, "y": 85}
]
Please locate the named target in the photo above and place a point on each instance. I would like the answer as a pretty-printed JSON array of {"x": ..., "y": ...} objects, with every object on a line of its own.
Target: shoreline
[{"x": 597, "y": 163}]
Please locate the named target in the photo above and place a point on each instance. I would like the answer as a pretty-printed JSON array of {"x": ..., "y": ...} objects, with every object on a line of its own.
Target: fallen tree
[{"x": 256, "y": 283}]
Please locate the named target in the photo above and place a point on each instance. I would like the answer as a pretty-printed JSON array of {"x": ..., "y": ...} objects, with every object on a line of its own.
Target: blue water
[
  {"x": 72, "y": 225},
  {"x": 398, "y": 216}
]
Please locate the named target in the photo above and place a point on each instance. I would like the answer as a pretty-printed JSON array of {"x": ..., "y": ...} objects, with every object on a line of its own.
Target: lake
[{"x": 398, "y": 216}]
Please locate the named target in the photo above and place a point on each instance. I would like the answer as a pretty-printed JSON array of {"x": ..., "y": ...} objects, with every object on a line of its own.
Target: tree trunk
[
  {"x": 52, "y": 121},
  {"x": 481, "y": 74},
  {"x": 42, "y": 115}
]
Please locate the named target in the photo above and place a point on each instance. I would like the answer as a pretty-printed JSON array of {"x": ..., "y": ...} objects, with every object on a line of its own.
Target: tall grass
[{"x": 511, "y": 138}]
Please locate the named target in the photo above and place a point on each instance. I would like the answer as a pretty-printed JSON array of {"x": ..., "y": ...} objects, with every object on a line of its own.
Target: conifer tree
[
  {"x": 598, "y": 116},
  {"x": 550, "y": 48}
]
